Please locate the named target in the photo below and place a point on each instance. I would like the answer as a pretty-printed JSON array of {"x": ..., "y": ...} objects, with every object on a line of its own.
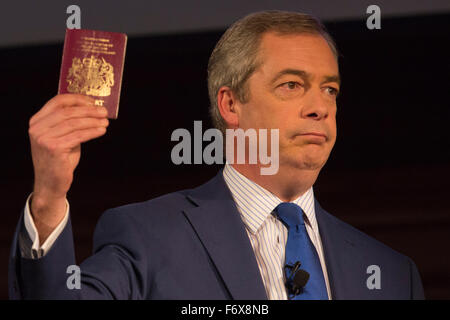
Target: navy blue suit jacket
[{"x": 192, "y": 244}]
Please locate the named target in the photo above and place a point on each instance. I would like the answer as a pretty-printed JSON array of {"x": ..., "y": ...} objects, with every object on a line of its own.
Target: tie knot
[{"x": 290, "y": 213}]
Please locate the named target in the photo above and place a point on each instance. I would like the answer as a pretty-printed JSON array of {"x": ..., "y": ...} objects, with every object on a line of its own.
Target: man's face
[{"x": 294, "y": 90}]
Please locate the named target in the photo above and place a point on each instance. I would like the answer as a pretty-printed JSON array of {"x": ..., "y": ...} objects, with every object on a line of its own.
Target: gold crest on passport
[
  {"x": 92, "y": 65},
  {"x": 91, "y": 76}
]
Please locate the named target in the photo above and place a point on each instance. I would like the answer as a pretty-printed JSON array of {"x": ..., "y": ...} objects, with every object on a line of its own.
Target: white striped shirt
[{"x": 267, "y": 234}]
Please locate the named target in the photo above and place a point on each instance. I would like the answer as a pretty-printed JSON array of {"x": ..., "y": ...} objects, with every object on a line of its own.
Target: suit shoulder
[
  {"x": 167, "y": 205},
  {"x": 368, "y": 243}
]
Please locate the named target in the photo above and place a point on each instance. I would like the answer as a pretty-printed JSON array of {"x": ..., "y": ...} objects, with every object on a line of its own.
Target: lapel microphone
[{"x": 298, "y": 278}]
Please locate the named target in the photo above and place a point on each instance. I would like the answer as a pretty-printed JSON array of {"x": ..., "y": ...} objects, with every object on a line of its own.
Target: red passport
[{"x": 92, "y": 65}]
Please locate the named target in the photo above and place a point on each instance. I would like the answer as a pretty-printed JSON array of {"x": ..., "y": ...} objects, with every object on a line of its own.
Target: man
[{"x": 233, "y": 237}]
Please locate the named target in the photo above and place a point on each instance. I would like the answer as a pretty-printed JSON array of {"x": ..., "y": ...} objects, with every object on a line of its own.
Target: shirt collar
[{"x": 255, "y": 203}]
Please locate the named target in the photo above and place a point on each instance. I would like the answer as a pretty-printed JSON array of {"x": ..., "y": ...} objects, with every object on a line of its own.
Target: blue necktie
[{"x": 300, "y": 248}]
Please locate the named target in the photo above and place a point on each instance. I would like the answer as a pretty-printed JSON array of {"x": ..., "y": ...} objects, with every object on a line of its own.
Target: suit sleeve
[
  {"x": 29, "y": 242},
  {"x": 116, "y": 270}
]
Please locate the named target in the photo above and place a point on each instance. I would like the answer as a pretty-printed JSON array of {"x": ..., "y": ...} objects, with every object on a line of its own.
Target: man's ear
[{"x": 229, "y": 107}]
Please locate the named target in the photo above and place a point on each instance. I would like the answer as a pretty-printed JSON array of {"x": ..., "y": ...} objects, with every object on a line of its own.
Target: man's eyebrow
[
  {"x": 305, "y": 75},
  {"x": 295, "y": 72},
  {"x": 334, "y": 78}
]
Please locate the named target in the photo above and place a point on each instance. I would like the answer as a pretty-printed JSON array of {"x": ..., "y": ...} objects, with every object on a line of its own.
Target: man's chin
[
  {"x": 302, "y": 162},
  {"x": 305, "y": 157}
]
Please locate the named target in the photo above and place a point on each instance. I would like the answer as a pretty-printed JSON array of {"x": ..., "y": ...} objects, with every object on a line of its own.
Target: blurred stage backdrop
[{"x": 389, "y": 172}]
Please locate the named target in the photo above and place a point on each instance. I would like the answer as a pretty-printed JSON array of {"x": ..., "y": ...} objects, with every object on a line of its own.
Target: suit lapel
[
  {"x": 221, "y": 230},
  {"x": 341, "y": 255},
  {"x": 219, "y": 226}
]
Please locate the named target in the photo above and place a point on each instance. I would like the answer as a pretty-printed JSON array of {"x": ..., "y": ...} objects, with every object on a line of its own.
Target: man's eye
[
  {"x": 291, "y": 85},
  {"x": 332, "y": 91}
]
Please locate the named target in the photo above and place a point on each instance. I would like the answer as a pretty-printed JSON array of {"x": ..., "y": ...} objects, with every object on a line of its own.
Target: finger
[
  {"x": 62, "y": 115},
  {"x": 60, "y": 101},
  {"x": 76, "y": 124},
  {"x": 77, "y": 137}
]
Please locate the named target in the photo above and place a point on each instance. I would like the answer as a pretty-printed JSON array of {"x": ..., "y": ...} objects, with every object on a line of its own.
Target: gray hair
[{"x": 235, "y": 56}]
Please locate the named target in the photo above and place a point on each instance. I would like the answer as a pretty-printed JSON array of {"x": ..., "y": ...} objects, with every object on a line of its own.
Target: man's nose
[{"x": 315, "y": 105}]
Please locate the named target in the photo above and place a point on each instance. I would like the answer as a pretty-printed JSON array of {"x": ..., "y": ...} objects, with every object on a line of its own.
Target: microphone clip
[{"x": 296, "y": 278}]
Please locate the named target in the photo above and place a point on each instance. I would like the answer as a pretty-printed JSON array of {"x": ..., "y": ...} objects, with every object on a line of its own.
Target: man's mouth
[{"x": 315, "y": 137}]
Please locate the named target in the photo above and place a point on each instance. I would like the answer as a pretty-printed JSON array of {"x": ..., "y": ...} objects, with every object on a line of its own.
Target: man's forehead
[
  {"x": 308, "y": 53},
  {"x": 273, "y": 40}
]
